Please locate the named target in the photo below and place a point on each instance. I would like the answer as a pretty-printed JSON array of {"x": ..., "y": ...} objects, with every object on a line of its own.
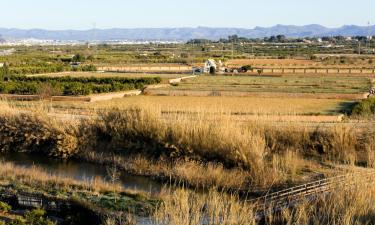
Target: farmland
[
  {"x": 217, "y": 139},
  {"x": 274, "y": 84},
  {"x": 110, "y": 75}
]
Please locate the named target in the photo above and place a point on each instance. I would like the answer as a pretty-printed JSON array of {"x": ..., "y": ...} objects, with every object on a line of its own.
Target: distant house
[{"x": 210, "y": 67}]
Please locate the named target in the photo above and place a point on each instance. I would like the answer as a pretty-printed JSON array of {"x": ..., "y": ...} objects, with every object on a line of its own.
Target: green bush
[
  {"x": 18, "y": 221},
  {"x": 88, "y": 68},
  {"x": 4, "y": 207},
  {"x": 247, "y": 68},
  {"x": 364, "y": 108},
  {"x": 72, "y": 86},
  {"x": 37, "y": 217}
]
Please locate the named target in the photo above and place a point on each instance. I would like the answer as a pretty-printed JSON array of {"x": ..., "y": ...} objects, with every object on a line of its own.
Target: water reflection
[{"x": 79, "y": 170}]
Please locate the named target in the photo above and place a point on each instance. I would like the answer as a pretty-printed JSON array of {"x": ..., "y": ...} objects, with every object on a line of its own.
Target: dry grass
[
  {"x": 240, "y": 108},
  {"x": 346, "y": 205},
  {"x": 284, "y": 84},
  {"x": 193, "y": 174},
  {"x": 186, "y": 208},
  {"x": 206, "y": 151},
  {"x": 245, "y": 105},
  {"x": 273, "y": 62}
]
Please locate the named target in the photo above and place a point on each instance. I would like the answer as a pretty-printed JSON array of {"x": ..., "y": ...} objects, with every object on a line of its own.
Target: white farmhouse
[{"x": 210, "y": 66}]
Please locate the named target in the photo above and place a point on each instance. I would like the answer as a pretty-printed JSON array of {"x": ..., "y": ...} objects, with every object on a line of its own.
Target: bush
[
  {"x": 89, "y": 68},
  {"x": 364, "y": 108},
  {"x": 47, "y": 86},
  {"x": 18, "y": 221},
  {"x": 37, "y": 217},
  {"x": 36, "y": 134},
  {"x": 4, "y": 207},
  {"x": 247, "y": 68}
]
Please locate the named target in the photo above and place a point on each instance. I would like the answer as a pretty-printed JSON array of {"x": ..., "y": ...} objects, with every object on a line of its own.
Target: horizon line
[{"x": 182, "y": 27}]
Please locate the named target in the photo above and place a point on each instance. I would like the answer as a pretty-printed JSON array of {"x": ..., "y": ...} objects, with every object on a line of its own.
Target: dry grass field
[
  {"x": 273, "y": 62},
  {"x": 333, "y": 61},
  {"x": 245, "y": 105}
]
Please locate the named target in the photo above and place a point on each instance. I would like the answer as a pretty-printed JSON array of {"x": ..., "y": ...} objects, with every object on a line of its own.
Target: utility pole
[
  {"x": 94, "y": 37},
  {"x": 232, "y": 49},
  {"x": 368, "y": 39}
]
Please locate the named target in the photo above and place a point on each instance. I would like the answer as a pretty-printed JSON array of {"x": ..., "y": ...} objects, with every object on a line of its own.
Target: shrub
[
  {"x": 88, "y": 68},
  {"x": 4, "y": 207},
  {"x": 37, "y": 217},
  {"x": 247, "y": 68},
  {"x": 364, "y": 108},
  {"x": 31, "y": 133},
  {"x": 71, "y": 85},
  {"x": 18, "y": 221}
]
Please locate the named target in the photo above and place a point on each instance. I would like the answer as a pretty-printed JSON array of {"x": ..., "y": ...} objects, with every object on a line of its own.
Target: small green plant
[
  {"x": 4, "y": 207},
  {"x": 18, "y": 221},
  {"x": 37, "y": 217}
]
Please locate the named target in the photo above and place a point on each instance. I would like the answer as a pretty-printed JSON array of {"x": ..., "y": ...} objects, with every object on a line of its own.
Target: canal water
[{"x": 79, "y": 171}]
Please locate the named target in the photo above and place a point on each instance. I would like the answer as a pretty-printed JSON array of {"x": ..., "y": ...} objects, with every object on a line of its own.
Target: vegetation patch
[
  {"x": 253, "y": 149},
  {"x": 95, "y": 196},
  {"x": 71, "y": 86},
  {"x": 364, "y": 108}
]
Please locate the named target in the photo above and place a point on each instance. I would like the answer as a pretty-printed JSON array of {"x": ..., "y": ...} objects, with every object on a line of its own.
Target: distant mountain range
[{"x": 183, "y": 34}]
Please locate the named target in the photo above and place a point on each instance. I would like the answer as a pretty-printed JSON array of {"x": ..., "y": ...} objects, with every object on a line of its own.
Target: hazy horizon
[
  {"x": 85, "y": 14},
  {"x": 193, "y": 27}
]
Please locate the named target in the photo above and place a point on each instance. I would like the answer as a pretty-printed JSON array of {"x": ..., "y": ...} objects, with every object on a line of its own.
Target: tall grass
[
  {"x": 346, "y": 205},
  {"x": 184, "y": 147}
]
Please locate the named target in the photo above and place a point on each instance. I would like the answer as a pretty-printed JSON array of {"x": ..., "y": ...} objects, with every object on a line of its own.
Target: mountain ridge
[{"x": 185, "y": 33}]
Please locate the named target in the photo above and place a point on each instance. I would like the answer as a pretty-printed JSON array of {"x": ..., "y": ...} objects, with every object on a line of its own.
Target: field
[
  {"x": 244, "y": 106},
  {"x": 273, "y": 62},
  {"x": 268, "y": 86},
  {"x": 214, "y": 141},
  {"x": 110, "y": 75}
]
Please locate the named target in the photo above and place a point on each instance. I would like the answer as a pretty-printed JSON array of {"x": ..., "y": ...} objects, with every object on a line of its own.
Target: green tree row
[{"x": 71, "y": 86}]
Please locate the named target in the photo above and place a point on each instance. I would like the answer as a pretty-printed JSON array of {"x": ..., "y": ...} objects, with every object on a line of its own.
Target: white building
[{"x": 210, "y": 66}]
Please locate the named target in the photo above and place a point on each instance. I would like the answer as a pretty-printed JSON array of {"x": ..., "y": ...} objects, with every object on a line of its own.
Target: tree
[
  {"x": 233, "y": 38},
  {"x": 246, "y": 68},
  {"x": 78, "y": 58},
  {"x": 113, "y": 174},
  {"x": 281, "y": 38}
]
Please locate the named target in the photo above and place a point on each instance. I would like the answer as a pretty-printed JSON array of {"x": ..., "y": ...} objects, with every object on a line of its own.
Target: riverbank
[
  {"x": 92, "y": 200},
  {"x": 206, "y": 152}
]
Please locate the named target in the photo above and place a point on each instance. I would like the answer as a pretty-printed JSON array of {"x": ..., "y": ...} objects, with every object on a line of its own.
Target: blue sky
[{"x": 82, "y": 14}]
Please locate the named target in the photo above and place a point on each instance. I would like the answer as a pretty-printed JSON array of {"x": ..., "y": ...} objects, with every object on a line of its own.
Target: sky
[{"x": 86, "y": 14}]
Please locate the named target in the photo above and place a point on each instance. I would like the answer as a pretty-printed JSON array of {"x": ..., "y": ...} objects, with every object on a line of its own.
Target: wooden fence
[
  {"x": 290, "y": 197},
  {"x": 146, "y": 68},
  {"x": 29, "y": 200},
  {"x": 314, "y": 71}
]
